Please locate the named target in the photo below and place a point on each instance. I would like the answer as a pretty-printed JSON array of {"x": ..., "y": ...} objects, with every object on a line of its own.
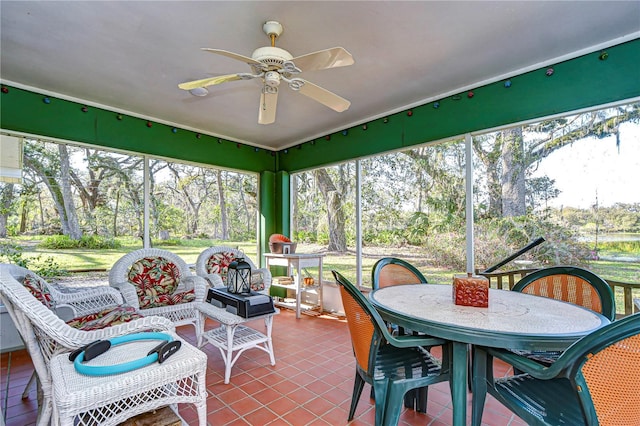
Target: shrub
[
  {"x": 46, "y": 267},
  {"x": 495, "y": 239},
  {"x": 86, "y": 241}
]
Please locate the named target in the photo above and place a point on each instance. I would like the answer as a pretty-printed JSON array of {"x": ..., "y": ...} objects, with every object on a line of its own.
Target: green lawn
[{"x": 345, "y": 263}]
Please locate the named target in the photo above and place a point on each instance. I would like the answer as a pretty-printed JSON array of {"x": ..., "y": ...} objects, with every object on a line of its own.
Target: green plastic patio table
[{"x": 513, "y": 320}]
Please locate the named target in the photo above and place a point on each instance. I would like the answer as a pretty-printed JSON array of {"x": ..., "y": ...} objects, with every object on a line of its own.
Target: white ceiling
[{"x": 129, "y": 56}]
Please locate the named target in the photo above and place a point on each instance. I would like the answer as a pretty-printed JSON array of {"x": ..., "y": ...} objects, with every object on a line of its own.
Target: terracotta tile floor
[{"x": 310, "y": 384}]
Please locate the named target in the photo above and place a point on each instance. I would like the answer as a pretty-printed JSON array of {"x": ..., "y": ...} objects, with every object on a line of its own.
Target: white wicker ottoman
[{"x": 110, "y": 400}]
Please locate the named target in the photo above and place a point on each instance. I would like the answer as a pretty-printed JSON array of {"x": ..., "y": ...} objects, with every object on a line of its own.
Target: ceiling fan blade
[
  {"x": 268, "y": 105},
  {"x": 323, "y": 59},
  {"x": 245, "y": 59},
  {"x": 190, "y": 85},
  {"x": 325, "y": 97}
]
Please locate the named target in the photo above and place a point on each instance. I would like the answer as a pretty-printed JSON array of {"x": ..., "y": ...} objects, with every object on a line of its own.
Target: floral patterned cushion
[
  {"x": 257, "y": 283},
  {"x": 155, "y": 280},
  {"x": 218, "y": 263},
  {"x": 38, "y": 288},
  {"x": 105, "y": 318}
]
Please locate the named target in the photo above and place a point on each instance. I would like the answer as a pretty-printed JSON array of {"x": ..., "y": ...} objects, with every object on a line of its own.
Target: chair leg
[
  {"x": 357, "y": 391},
  {"x": 393, "y": 404},
  {"x": 410, "y": 399},
  {"x": 382, "y": 395},
  {"x": 421, "y": 399},
  {"x": 25, "y": 392}
]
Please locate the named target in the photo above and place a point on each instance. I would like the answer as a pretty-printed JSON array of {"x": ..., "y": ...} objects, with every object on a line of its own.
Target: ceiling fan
[{"x": 273, "y": 65}]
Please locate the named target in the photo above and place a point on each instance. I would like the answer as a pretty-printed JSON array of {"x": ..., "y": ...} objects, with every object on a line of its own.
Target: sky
[{"x": 593, "y": 166}]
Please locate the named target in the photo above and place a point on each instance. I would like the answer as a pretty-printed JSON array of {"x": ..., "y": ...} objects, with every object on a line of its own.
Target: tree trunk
[
  {"x": 115, "y": 214},
  {"x": 513, "y": 173},
  {"x": 223, "y": 208},
  {"x": 6, "y": 198},
  {"x": 75, "y": 233},
  {"x": 335, "y": 213}
]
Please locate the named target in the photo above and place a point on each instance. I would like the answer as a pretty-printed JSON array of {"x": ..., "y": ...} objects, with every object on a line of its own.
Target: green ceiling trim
[
  {"x": 49, "y": 117},
  {"x": 583, "y": 82}
]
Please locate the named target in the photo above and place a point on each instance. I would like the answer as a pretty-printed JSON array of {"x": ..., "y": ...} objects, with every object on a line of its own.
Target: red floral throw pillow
[
  {"x": 105, "y": 318},
  {"x": 155, "y": 279},
  {"x": 38, "y": 289},
  {"x": 218, "y": 263}
]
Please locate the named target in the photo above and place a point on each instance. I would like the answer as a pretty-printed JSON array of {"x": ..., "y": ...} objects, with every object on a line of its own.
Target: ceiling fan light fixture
[
  {"x": 272, "y": 79},
  {"x": 199, "y": 91}
]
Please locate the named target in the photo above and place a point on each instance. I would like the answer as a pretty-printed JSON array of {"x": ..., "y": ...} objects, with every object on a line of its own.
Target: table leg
[
  {"x": 268, "y": 322},
  {"x": 298, "y": 291},
  {"x": 459, "y": 383},
  {"x": 479, "y": 386},
  {"x": 228, "y": 360}
]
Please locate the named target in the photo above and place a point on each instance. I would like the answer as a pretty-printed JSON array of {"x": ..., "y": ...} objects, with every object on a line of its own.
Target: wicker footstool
[{"x": 110, "y": 400}]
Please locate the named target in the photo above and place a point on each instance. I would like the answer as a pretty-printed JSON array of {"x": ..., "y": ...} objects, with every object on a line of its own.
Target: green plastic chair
[
  {"x": 570, "y": 284},
  {"x": 392, "y": 365},
  {"x": 390, "y": 271},
  {"x": 594, "y": 382}
]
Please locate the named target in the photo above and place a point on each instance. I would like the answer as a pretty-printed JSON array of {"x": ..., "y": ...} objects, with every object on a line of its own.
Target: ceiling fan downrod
[{"x": 273, "y": 29}]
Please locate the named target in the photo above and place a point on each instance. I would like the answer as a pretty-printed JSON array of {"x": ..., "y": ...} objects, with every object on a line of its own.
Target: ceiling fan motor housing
[{"x": 272, "y": 57}]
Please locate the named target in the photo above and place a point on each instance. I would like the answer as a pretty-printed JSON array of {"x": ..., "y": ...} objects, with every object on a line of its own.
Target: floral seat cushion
[
  {"x": 105, "y": 318},
  {"x": 218, "y": 263},
  {"x": 38, "y": 288},
  {"x": 155, "y": 280}
]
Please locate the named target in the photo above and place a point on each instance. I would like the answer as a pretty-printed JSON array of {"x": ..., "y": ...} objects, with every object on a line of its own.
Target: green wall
[
  {"x": 47, "y": 116},
  {"x": 579, "y": 83}
]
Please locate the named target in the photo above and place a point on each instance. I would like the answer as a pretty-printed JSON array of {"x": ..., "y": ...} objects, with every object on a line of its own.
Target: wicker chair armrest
[
  {"x": 128, "y": 293},
  {"x": 78, "y": 338},
  {"x": 265, "y": 274},
  {"x": 149, "y": 323},
  {"x": 213, "y": 280},
  {"x": 197, "y": 284},
  {"x": 86, "y": 300},
  {"x": 66, "y": 312},
  {"x": 409, "y": 341}
]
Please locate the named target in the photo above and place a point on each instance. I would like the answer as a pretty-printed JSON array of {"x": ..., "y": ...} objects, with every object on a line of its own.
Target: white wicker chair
[
  {"x": 84, "y": 300},
  {"x": 46, "y": 335},
  {"x": 213, "y": 262},
  {"x": 143, "y": 288}
]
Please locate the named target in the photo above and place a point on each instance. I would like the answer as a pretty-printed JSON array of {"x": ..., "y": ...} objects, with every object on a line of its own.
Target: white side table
[
  {"x": 297, "y": 262},
  {"x": 232, "y": 336},
  {"x": 112, "y": 399}
]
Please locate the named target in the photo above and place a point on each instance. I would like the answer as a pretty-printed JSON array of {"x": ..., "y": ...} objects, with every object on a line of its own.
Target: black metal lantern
[{"x": 239, "y": 277}]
